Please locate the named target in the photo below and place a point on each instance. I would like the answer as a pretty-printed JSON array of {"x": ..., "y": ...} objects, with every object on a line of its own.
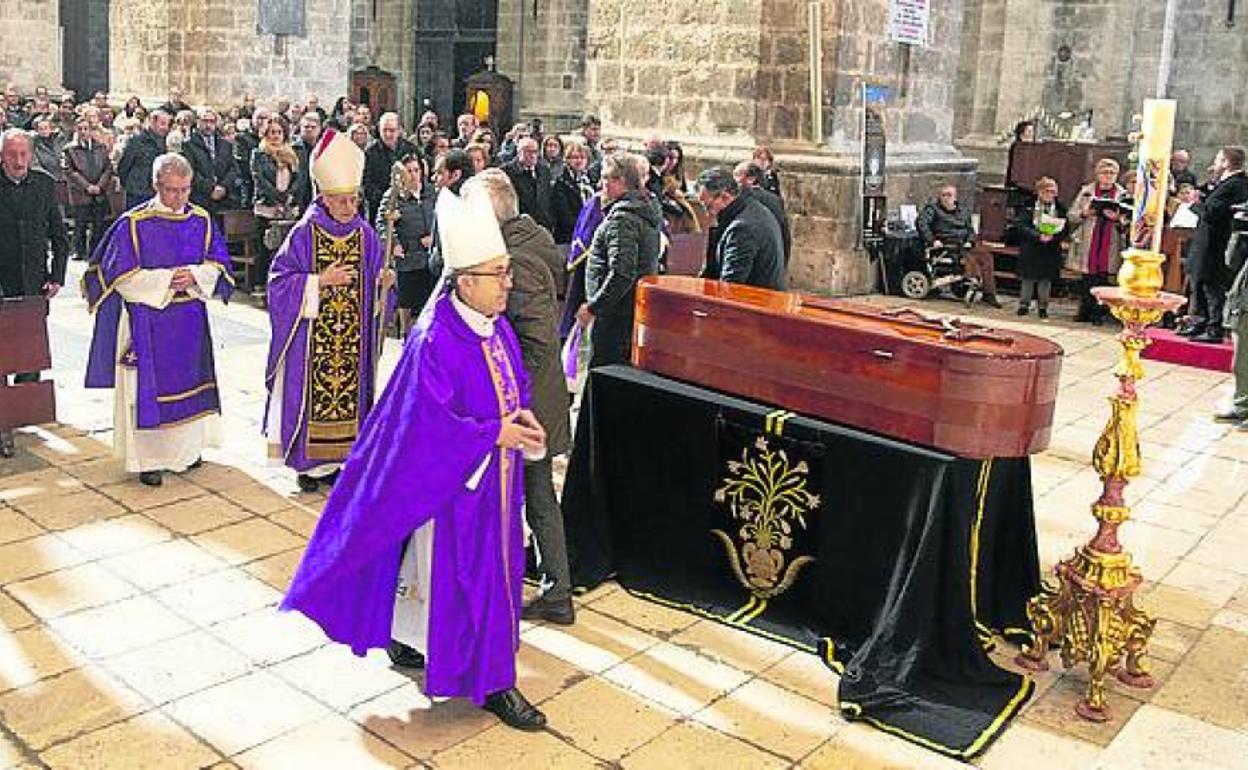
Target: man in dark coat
[
  {"x": 532, "y": 182},
  {"x": 534, "y": 314},
  {"x": 30, "y": 223},
  {"x": 88, "y": 178},
  {"x": 1206, "y": 266},
  {"x": 142, "y": 150},
  {"x": 212, "y": 160},
  {"x": 245, "y": 143},
  {"x": 380, "y": 157},
  {"x": 749, "y": 176},
  {"x": 943, "y": 222},
  {"x": 309, "y": 134},
  {"x": 750, "y": 249},
  {"x": 625, "y": 247}
]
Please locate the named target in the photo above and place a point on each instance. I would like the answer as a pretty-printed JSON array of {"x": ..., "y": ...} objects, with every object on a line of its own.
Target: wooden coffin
[
  {"x": 24, "y": 348},
  {"x": 939, "y": 382}
]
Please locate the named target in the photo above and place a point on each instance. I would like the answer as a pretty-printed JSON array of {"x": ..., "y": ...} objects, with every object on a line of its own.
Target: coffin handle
[
  {"x": 887, "y": 355},
  {"x": 700, "y": 314}
]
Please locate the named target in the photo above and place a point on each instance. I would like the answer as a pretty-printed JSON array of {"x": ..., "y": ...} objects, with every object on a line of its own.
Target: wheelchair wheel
[{"x": 916, "y": 285}]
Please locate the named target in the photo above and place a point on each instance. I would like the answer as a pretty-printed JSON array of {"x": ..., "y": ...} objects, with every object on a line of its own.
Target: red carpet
[{"x": 1173, "y": 349}]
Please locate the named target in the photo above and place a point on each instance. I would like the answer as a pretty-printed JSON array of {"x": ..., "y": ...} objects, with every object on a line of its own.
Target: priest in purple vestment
[
  {"x": 147, "y": 285},
  {"x": 421, "y": 541},
  {"x": 328, "y": 294}
]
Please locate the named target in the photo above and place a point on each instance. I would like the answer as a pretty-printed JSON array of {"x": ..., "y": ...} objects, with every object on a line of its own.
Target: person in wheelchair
[{"x": 949, "y": 238}]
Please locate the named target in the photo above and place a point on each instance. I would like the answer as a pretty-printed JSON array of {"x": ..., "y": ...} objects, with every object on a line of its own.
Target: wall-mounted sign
[
  {"x": 908, "y": 21},
  {"x": 281, "y": 17}
]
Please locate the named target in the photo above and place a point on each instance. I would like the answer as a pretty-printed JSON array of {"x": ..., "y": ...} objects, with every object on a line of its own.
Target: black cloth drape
[{"x": 858, "y": 548}]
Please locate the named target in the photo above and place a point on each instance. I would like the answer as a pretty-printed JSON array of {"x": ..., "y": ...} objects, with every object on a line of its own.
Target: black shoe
[
  {"x": 991, "y": 301},
  {"x": 403, "y": 656},
  {"x": 151, "y": 478},
  {"x": 1193, "y": 330},
  {"x": 332, "y": 478},
  {"x": 1231, "y": 416},
  {"x": 198, "y": 462},
  {"x": 7, "y": 447},
  {"x": 1022, "y": 310},
  {"x": 1043, "y": 313},
  {"x": 1209, "y": 337},
  {"x": 307, "y": 483},
  {"x": 515, "y": 710},
  {"x": 558, "y": 611}
]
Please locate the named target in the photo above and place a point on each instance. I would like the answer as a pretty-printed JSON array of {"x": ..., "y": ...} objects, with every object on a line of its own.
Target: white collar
[
  {"x": 480, "y": 323},
  {"x": 158, "y": 206}
]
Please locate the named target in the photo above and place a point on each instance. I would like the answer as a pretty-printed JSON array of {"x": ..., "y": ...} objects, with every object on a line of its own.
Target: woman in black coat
[
  {"x": 1041, "y": 230},
  {"x": 413, "y": 235}
]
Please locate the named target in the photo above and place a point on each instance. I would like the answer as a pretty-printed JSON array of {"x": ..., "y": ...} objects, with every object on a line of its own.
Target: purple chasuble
[
  {"x": 587, "y": 223},
  {"x": 171, "y": 347},
  {"x": 328, "y": 363},
  {"x": 432, "y": 432}
]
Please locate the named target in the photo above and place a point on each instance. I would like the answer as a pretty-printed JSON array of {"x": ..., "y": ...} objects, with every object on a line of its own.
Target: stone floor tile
[
  {"x": 149, "y": 741},
  {"x": 595, "y": 643},
  {"x": 11, "y": 755},
  {"x": 140, "y": 497},
  {"x": 766, "y": 714},
  {"x": 337, "y": 677},
  {"x": 806, "y": 675},
  {"x": 172, "y": 669},
  {"x": 649, "y": 617},
  {"x": 13, "y": 615},
  {"x": 745, "y": 651},
  {"x": 116, "y": 628},
  {"x": 542, "y": 675},
  {"x": 692, "y": 746},
  {"x": 188, "y": 517},
  {"x": 216, "y": 477},
  {"x": 1213, "y": 584},
  {"x": 58, "y": 708},
  {"x": 37, "y": 485},
  {"x": 298, "y": 520},
  {"x": 1226, "y": 555},
  {"x": 66, "y": 450},
  {"x": 409, "y": 720},
  {"x": 1185, "y": 518},
  {"x": 1055, "y": 710},
  {"x": 100, "y": 472},
  {"x": 1211, "y": 683},
  {"x": 278, "y": 570},
  {"x": 69, "y": 590},
  {"x": 501, "y": 746},
  {"x": 267, "y": 636},
  {"x": 1156, "y": 549},
  {"x": 247, "y": 541},
  {"x": 332, "y": 742},
  {"x": 1171, "y": 641},
  {"x": 245, "y": 712},
  {"x": 675, "y": 678},
  {"x": 14, "y": 526},
  {"x": 31, "y": 654},
  {"x": 217, "y": 596},
  {"x": 1160, "y": 739},
  {"x": 109, "y": 538},
  {"x": 164, "y": 564},
  {"x": 605, "y": 720},
  {"x": 1232, "y": 620},
  {"x": 1025, "y": 746},
  {"x": 37, "y": 556},
  {"x": 255, "y": 498},
  {"x": 68, "y": 511},
  {"x": 859, "y": 747},
  {"x": 1177, "y": 604}
]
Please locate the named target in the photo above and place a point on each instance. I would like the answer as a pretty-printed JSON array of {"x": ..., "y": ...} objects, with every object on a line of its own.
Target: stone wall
[
  {"x": 211, "y": 50},
  {"x": 382, "y": 36},
  {"x": 541, "y": 47},
  {"x": 30, "y": 44}
]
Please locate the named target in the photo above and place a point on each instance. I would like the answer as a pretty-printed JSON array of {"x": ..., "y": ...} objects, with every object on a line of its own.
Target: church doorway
[
  {"x": 84, "y": 46},
  {"x": 453, "y": 38}
]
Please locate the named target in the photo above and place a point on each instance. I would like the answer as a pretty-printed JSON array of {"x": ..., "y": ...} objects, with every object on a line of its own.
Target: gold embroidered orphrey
[
  {"x": 333, "y": 380},
  {"x": 768, "y": 494}
]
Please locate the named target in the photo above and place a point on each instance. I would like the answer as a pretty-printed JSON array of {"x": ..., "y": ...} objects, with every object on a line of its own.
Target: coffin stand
[{"x": 24, "y": 348}]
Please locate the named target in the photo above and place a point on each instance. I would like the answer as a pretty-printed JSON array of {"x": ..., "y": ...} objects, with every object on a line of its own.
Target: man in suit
[
  {"x": 532, "y": 182},
  {"x": 135, "y": 166},
  {"x": 1206, "y": 265},
  {"x": 309, "y": 134},
  {"x": 380, "y": 157},
  {"x": 88, "y": 177},
  {"x": 212, "y": 159},
  {"x": 749, "y": 176},
  {"x": 750, "y": 249}
]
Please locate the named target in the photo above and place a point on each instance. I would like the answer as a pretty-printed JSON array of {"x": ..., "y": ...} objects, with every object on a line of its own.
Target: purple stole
[{"x": 1102, "y": 235}]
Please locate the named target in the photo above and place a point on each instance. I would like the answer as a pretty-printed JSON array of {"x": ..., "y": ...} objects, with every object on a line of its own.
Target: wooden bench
[
  {"x": 1005, "y": 265},
  {"x": 240, "y": 238}
]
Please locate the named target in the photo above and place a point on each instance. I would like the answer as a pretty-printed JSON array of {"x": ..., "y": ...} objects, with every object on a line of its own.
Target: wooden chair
[{"x": 239, "y": 228}]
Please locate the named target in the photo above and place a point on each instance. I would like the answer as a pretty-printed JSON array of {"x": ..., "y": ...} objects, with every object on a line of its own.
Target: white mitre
[
  {"x": 468, "y": 230},
  {"x": 337, "y": 164}
]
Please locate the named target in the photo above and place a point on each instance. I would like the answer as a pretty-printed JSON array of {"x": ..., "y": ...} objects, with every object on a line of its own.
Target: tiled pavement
[{"x": 139, "y": 628}]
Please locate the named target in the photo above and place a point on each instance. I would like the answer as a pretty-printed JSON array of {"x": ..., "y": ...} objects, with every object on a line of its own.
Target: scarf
[{"x": 281, "y": 153}]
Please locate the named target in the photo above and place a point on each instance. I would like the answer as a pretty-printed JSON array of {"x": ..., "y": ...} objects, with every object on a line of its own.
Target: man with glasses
[
  {"x": 328, "y": 293},
  {"x": 147, "y": 287},
  {"x": 212, "y": 157}
]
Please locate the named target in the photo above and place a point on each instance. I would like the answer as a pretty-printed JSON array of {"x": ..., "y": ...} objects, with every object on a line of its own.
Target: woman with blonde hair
[
  {"x": 1099, "y": 230},
  {"x": 275, "y": 172},
  {"x": 1041, "y": 230}
]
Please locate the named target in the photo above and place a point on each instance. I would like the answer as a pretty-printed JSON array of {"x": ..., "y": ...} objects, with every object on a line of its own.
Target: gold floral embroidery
[{"x": 334, "y": 358}]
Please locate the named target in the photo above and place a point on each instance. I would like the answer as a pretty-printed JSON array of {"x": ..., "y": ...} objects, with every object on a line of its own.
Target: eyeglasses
[{"x": 506, "y": 274}]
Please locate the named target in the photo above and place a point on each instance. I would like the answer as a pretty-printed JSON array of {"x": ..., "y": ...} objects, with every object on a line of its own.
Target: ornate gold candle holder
[{"x": 1090, "y": 613}]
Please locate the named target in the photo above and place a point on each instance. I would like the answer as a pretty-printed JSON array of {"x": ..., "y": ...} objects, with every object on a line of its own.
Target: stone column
[
  {"x": 211, "y": 50},
  {"x": 30, "y": 44},
  {"x": 724, "y": 75}
]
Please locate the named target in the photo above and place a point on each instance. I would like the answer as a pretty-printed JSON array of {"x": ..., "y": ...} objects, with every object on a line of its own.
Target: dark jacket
[
  {"x": 625, "y": 247},
  {"x": 566, "y": 203},
  {"x": 378, "y": 162},
  {"x": 84, "y": 167},
  {"x": 1037, "y": 260},
  {"x": 1206, "y": 255},
  {"x": 533, "y": 188},
  {"x": 245, "y": 143},
  {"x": 264, "y": 180},
  {"x": 303, "y": 192},
  {"x": 952, "y": 228},
  {"x": 751, "y": 250},
  {"x": 416, "y": 218},
  {"x": 211, "y": 170},
  {"x": 48, "y": 152},
  {"x": 771, "y": 183},
  {"x": 533, "y": 311},
  {"x": 30, "y": 222},
  {"x": 775, "y": 204},
  {"x": 135, "y": 166}
]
